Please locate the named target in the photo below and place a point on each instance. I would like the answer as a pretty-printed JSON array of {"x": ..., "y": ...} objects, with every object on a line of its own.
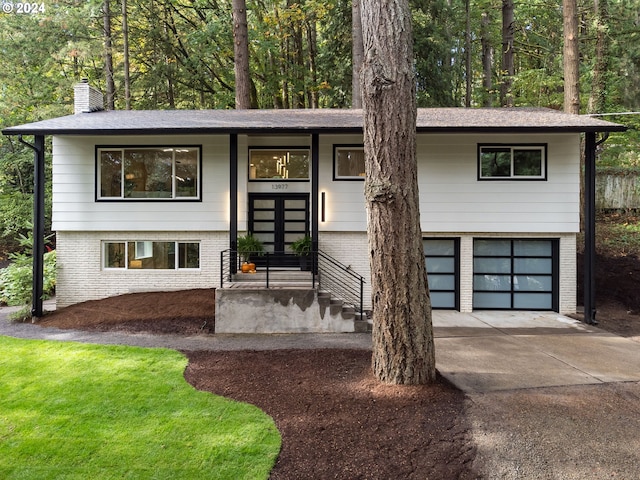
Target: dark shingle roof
[{"x": 135, "y": 122}]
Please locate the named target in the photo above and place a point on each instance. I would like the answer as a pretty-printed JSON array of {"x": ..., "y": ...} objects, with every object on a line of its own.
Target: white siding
[
  {"x": 344, "y": 199},
  {"x": 452, "y": 198},
  {"x": 75, "y": 208}
]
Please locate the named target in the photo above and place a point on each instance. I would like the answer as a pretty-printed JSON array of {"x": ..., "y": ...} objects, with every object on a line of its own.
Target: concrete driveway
[{"x": 489, "y": 351}]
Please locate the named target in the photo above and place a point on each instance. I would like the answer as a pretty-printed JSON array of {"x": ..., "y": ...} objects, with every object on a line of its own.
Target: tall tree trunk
[
  {"x": 487, "y": 61},
  {"x": 598, "y": 96},
  {"x": 108, "y": 57},
  {"x": 126, "y": 63},
  {"x": 403, "y": 348},
  {"x": 312, "y": 42},
  {"x": 571, "y": 58},
  {"x": 241, "y": 55},
  {"x": 357, "y": 53},
  {"x": 508, "y": 66},
  {"x": 467, "y": 54}
]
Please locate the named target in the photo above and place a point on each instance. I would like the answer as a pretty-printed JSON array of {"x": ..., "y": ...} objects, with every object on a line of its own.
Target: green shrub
[{"x": 16, "y": 279}]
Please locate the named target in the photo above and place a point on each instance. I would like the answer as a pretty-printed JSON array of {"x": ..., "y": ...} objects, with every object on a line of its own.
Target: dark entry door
[{"x": 278, "y": 220}]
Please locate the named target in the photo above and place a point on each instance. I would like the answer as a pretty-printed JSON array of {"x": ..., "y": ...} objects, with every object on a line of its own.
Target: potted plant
[
  {"x": 249, "y": 245},
  {"x": 302, "y": 248}
]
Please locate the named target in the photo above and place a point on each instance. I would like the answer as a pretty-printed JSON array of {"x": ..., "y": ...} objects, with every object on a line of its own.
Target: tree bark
[
  {"x": 241, "y": 55},
  {"x": 598, "y": 96},
  {"x": 487, "y": 61},
  {"x": 357, "y": 54},
  {"x": 571, "y": 58},
  {"x": 125, "y": 48},
  {"x": 467, "y": 54},
  {"x": 108, "y": 56},
  {"x": 508, "y": 66},
  {"x": 403, "y": 348}
]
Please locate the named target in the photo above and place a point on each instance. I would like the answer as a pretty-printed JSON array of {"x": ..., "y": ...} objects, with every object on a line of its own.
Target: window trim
[
  {"x": 133, "y": 255},
  {"x": 339, "y": 178},
  {"x": 173, "y": 198},
  {"x": 543, "y": 147},
  {"x": 276, "y": 148}
]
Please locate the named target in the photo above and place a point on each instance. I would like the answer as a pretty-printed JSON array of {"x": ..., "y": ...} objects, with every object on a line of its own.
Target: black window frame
[
  {"x": 338, "y": 178},
  {"x": 544, "y": 147},
  {"x": 278, "y": 148},
  {"x": 173, "y": 198}
]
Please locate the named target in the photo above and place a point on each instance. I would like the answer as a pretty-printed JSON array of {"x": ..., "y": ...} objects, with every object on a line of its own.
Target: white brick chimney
[{"x": 86, "y": 98}]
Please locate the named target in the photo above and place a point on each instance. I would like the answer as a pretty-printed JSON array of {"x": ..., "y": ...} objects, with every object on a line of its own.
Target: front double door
[{"x": 278, "y": 220}]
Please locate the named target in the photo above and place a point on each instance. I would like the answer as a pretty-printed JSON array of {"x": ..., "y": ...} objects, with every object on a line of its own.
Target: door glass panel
[
  {"x": 295, "y": 215},
  {"x": 532, "y": 265},
  {"x": 264, "y": 203},
  {"x": 532, "y": 248},
  {"x": 533, "y": 283},
  {"x": 439, "y": 247},
  {"x": 492, "y": 248},
  {"x": 264, "y": 215},
  {"x": 442, "y": 282},
  {"x": 528, "y": 301},
  {"x": 297, "y": 204},
  {"x": 263, "y": 227},
  {"x": 445, "y": 265},
  {"x": 492, "y": 282},
  {"x": 443, "y": 300},
  {"x": 492, "y": 265},
  {"x": 295, "y": 226},
  {"x": 491, "y": 300}
]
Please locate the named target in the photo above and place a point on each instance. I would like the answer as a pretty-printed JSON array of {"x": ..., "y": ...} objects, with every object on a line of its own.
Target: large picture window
[
  {"x": 148, "y": 173},
  {"x": 348, "y": 162},
  {"x": 148, "y": 255},
  {"x": 503, "y": 162},
  {"x": 278, "y": 164}
]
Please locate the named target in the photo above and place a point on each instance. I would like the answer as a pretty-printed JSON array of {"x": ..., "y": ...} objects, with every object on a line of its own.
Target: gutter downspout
[
  {"x": 37, "y": 289},
  {"x": 589, "y": 284}
]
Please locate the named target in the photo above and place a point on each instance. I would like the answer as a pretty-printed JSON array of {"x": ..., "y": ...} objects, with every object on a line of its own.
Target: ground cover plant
[{"x": 72, "y": 411}]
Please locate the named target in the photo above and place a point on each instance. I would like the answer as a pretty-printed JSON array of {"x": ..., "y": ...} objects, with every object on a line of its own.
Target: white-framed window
[
  {"x": 505, "y": 162},
  {"x": 348, "y": 162},
  {"x": 148, "y": 173},
  {"x": 279, "y": 164},
  {"x": 150, "y": 255}
]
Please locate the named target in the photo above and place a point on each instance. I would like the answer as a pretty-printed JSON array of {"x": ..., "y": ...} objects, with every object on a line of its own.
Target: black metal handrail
[{"x": 327, "y": 273}]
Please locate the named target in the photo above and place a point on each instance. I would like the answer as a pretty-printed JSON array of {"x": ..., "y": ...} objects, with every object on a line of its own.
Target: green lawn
[{"x": 74, "y": 411}]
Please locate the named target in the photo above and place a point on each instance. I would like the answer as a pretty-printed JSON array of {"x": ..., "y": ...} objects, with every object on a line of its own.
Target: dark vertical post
[
  {"x": 233, "y": 199},
  {"x": 589, "y": 285},
  {"x": 38, "y": 227},
  {"x": 315, "y": 173}
]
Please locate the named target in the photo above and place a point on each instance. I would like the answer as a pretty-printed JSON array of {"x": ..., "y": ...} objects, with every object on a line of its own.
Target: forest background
[{"x": 179, "y": 54}]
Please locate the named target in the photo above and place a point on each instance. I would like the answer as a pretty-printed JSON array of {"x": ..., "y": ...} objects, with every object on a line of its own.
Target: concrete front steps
[{"x": 290, "y": 304}]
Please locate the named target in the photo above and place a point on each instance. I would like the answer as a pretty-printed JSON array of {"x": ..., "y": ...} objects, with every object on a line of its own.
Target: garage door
[
  {"x": 442, "y": 257},
  {"x": 516, "y": 274}
]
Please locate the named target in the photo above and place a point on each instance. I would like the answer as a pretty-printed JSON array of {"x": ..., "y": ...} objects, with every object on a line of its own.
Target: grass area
[{"x": 73, "y": 411}]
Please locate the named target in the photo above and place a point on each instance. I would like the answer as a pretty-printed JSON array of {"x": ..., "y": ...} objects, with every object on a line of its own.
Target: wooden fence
[{"x": 618, "y": 190}]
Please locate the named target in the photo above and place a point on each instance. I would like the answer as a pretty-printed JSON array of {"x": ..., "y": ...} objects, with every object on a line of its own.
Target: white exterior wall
[
  {"x": 452, "y": 200},
  {"x": 81, "y": 276},
  {"x": 75, "y": 208}
]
